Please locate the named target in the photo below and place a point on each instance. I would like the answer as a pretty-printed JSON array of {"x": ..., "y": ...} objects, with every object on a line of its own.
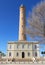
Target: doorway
[{"x": 23, "y": 54}]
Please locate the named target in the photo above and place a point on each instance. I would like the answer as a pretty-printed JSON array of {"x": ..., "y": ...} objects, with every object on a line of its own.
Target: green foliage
[
  {"x": 2, "y": 53},
  {"x": 43, "y": 52}
]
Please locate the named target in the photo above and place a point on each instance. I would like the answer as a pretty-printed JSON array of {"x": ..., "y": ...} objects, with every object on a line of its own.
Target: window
[
  {"x": 9, "y": 53},
  {"x": 17, "y": 46},
  {"x": 23, "y": 46},
  {"x": 35, "y": 46},
  {"x": 28, "y": 46},
  {"x": 10, "y": 46},
  {"x": 36, "y": 54},
  {"x": 28, "y": 54},
  {"x": 17, "y": 54}
]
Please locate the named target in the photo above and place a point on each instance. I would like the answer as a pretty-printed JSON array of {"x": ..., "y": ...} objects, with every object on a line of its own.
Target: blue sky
[{"x": 9, "y": 19}]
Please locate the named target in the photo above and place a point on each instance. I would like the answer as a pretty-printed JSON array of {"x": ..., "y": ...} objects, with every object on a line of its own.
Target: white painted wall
[{"x": 14, "y": 50}]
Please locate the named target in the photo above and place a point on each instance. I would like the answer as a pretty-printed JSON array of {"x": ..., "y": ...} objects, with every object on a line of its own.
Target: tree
[
  {"x": 36, "y": 21},
  {"x": 43, "y": 53},
  {"x": 2, "y": 54}
]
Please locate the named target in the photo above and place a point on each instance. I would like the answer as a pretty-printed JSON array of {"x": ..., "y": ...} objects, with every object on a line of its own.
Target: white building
[{"x": 22, "y": 49}]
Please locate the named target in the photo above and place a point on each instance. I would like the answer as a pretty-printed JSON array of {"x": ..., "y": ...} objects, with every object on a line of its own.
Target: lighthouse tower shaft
[{"x": 22, "y": 24}]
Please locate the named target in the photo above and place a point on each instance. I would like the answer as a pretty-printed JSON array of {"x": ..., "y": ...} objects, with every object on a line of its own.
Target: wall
[{"x": 14, "y": 50}]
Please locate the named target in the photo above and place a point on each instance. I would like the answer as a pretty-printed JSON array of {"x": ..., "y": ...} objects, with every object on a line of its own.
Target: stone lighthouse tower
[
  {"x": 22, "y": 49},
  {"x": 22, "y": 24}
]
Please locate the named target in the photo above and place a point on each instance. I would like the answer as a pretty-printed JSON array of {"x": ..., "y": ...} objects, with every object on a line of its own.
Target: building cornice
[{"x": 20, "y": 42}]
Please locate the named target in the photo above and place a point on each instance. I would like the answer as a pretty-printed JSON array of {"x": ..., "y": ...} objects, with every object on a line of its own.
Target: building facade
[{"x": 22, "y": 49}]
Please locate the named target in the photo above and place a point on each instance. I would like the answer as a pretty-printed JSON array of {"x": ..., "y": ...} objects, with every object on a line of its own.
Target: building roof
[{"x": 14, "y": 42}]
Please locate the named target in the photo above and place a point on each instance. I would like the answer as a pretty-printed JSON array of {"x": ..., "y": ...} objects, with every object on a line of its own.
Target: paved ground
[{"x": 23, "y": 64}]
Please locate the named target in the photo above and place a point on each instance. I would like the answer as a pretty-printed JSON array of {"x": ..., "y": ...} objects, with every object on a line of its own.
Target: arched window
[
  {"x": 28, "y": 45},
  {"x": 17, "y": 46},
  {"x": 9, "y": 53},
  {"x": 36, "y": 54},
  {"x": 17, "y": 54},
  {"x": 23, "y": 46},
  {"x": 35, "y": 46},
  {"x": 28, "y": 54},
  {"x": 10, "y": 46}
]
